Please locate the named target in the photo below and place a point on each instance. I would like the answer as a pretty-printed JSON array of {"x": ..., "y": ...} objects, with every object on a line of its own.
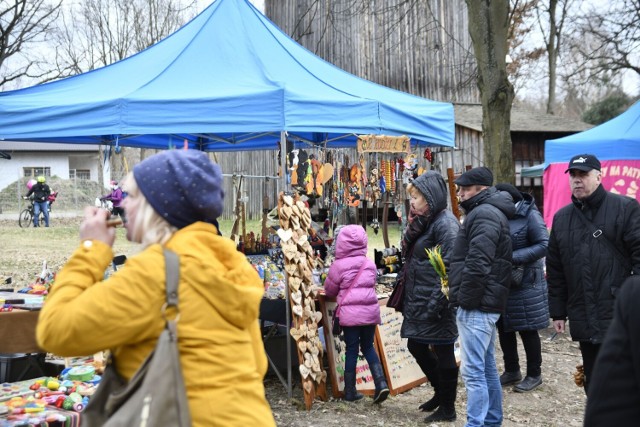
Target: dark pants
[
  {"x": 442, "y": 357},
  {"x": 532, "y": 349},
  {"x": 359, "y": 337},
  {"x": 589, "y": 353},
  {"x": 118, "y": 211}
]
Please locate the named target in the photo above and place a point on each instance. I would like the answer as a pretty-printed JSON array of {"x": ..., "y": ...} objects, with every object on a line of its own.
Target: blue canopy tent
[
  {"x": 228, "y": 80},
  {"x": 616, "y": 143}
]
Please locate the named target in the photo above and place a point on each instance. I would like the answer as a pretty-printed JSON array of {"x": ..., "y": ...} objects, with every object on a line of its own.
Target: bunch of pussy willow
[{"x": 435, "y": 259}]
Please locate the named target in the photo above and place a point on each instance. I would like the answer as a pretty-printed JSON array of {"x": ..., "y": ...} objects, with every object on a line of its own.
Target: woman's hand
[{"x": 94, "y": 226}]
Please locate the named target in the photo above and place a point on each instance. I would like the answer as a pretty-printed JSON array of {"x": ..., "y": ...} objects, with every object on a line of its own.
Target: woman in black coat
[
  {"x": 527, "y": 306},
  {"x": 428, "y": 321}
]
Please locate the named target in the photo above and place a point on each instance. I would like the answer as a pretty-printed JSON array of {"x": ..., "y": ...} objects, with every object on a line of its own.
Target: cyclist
[
  {"x": 41, "y": 193},
  {"x": 115, "y": 197}
]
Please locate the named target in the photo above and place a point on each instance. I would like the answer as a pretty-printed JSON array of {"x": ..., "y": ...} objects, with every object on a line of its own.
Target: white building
[{"x": 30, "y": 159}]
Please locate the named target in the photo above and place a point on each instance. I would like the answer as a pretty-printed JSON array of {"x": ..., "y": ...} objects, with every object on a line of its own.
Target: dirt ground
[{"x": 557, "y": 402}]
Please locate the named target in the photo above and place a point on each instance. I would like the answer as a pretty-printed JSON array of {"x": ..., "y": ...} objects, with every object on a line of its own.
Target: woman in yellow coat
[{"x": 173, "y": 200}]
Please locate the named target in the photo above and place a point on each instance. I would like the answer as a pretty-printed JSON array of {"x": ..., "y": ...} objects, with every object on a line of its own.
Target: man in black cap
[
  {"x": 479, "y": 279},
  {"x": 594, "y": 245}
]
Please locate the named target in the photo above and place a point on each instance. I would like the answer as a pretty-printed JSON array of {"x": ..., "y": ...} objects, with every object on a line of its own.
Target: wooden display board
[
  {"x": 336, "y": 355},
  {"x": 402, "y": 371}
]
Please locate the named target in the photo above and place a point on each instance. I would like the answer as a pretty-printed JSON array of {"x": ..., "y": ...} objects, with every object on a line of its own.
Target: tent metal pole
[
  {"x": 231, "y": 175},
  {"x": 283, "y": 176}
]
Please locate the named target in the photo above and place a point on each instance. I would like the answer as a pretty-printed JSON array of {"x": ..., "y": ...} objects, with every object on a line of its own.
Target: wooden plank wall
[{"x": 419, "y": 46}]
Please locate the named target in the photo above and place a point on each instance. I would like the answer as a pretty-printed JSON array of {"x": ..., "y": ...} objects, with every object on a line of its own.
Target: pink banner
[{"x": 618, "y": 176}]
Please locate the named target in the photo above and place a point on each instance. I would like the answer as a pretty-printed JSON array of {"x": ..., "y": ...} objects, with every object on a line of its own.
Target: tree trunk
[{"x": 488, "y": 27}]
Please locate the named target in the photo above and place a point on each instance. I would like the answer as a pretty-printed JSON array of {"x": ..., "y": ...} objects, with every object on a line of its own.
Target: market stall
[{"x": 253, "y": 88}]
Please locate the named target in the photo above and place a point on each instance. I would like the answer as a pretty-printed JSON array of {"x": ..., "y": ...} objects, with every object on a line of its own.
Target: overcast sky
[{"x": 202, "y": 4}]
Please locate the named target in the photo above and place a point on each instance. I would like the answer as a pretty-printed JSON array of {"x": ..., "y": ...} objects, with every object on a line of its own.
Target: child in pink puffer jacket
[{"x": 359, "y": 310}]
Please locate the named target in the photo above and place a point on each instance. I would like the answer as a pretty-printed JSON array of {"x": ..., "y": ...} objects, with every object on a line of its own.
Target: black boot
[
  {"x": 448, "y": 389},
  {"x": 429, "y": 367},
  {"x": 350, "y": 392},
  {"x": 433, "y": 403},
  {"x": 382, "y": 390}
]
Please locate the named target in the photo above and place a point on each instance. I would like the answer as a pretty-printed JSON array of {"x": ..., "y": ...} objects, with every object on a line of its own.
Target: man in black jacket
[
  {"x": 594, "y": 245},
  {"x": 40, "y": 191},
  {"x": 615, "y": 385},
  {"x": 479, "y": 285}
]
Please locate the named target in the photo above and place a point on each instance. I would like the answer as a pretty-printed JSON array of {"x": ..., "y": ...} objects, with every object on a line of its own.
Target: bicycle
[
  {"x": 104, "y": 204},
  {"x": 26, "y": 216}
]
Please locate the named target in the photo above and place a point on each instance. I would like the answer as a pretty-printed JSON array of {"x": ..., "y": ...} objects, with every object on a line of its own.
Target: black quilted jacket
[
  {"x": 481, "y": 265},
  {"x": 583, "y": 274}
]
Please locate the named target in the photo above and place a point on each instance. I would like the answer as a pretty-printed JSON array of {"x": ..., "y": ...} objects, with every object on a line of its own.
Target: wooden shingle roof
[{"x": 522, "y": 120}]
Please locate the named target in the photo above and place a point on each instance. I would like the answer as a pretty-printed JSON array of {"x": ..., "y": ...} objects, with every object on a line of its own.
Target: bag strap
[
  {"x": 355, "y": 279},
  {"x": 172, "y": 268},
  {"x": 596, "y": 232}
]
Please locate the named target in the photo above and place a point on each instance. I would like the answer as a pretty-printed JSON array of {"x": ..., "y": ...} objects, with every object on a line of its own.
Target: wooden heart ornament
[
  {"x": 286, "y": 212},
  {"x": 297, "y": 310},
  {"x": 285, "y": 235},
  {"x": 296, "y": 296},
  {"x": 292, "y": 269},
  {"x": 304, "y": 371},
  {"x": 317, "y": 316},
  {"x": 289, "y": 250},
  {"x": 326, "y": 172},
  {"x": 308, "y": 386},
  {"x": 296, "y": 334},
  {"x": 294, "y": 284}
]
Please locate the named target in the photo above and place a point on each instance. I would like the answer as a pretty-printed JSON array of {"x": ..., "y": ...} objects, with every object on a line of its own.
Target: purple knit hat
[{"x": 182, "y": 186}]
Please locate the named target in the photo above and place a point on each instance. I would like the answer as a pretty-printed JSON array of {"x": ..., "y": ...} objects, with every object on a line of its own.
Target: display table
[
  {"x": 18, "y": 332},
  {"x": 51, "y": 415}
]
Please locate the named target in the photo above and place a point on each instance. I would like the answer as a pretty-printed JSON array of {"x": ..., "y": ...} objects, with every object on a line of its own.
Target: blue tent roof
[
  {"x": 228, "y": 80},
  {"x": 616, "y": 139}
]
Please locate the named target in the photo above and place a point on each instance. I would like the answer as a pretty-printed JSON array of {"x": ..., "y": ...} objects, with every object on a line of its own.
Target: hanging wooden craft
[
  {"x": 353, "y": 197},
  {"x": 237, "y": 183},
  {"x": 294, "y": 167}
]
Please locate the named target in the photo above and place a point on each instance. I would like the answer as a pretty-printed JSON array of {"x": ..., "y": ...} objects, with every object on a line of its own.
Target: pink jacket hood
[{"x": 358, "y": 301}]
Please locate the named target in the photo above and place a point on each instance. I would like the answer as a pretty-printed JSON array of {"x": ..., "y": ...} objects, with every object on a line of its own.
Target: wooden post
[
  {"x": 385, "y": 220},
  {"x": 364, "y": 214},
  {"x": 452, "y": 193}
]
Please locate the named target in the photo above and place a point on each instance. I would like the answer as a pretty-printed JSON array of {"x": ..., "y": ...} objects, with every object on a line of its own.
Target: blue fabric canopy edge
[
  {"x": 229, "y": 80},
  {"x": 616, "y": 139}
]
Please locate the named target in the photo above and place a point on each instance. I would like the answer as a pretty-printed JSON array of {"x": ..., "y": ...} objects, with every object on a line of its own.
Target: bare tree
[
  {"x": 615, "y": 32},
  {"x": 489, "y": 27},
  {"x": 96, "y": 33},
  {"x": 23, "y": 25},
  {"x": 556, "y": 18}
]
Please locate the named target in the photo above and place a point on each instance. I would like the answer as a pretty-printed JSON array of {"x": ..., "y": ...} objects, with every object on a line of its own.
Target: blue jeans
[
  {"x": 40, "y": 206},
  {"x": 359, "y": 336},
  {"x": 477, "y": 331}
]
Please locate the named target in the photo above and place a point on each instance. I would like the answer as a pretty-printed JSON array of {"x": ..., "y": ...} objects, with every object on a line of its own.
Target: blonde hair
[{"x": 149, "y": 227}]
